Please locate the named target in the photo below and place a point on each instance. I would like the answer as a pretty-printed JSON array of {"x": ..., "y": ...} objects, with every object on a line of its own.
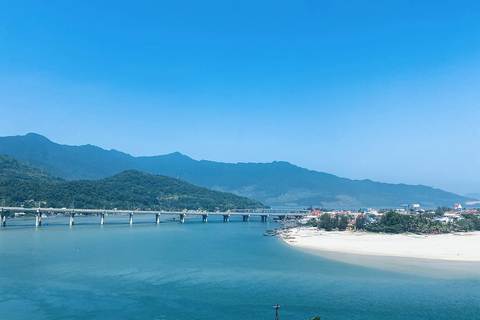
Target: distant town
[{"x": 411, "y": 217}]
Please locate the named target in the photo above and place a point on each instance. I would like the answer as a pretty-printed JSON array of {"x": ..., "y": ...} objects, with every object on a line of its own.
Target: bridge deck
[
  {"x": 263, "y": 213},
  {"x": 260, "y": 212}
]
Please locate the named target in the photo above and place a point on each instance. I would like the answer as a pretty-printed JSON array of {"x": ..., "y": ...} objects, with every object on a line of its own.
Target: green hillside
[
  {"x": 20, "y": 184},
  {"x": 274, "y": 184},
  {"x": 13, "y": 169}
]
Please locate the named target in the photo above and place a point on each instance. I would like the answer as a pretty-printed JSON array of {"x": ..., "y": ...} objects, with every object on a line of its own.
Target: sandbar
[{"x": 449, "y": 247}]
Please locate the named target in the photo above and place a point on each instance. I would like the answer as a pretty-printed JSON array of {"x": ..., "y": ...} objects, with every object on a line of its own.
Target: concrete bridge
[{"x": 263, "y": 213}]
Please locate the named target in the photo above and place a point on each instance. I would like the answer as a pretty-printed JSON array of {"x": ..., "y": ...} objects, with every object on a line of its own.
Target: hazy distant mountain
[
  {"x": 276, "y": 183},
  {"x": 475, "y": 196},
  {"x": 68, "y": 162},
  {"x": 20, "y": 183}
]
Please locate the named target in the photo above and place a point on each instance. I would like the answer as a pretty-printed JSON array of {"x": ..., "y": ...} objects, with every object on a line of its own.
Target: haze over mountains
[
  {"x": 473, "y": 195},
  {"x": 274, "y": 184}
]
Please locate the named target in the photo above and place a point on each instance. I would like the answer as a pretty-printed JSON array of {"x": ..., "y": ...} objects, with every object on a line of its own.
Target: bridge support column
[
  {"x": 38, "y": 218},
  {"x": 157, "y": 218},
  {"x": 226, "y": 217},
  {"x": 264, "y": 218},
  {"x": 102, "y": 218},
  {"x": 3, "y": 219},
  {"x": 246, "y": 217},
  {"x": 72, "y": 218},
  {"x": 204, "y": 217},
  {"x": 130, "y": 219},
  {"x": 182, "y": 218}
]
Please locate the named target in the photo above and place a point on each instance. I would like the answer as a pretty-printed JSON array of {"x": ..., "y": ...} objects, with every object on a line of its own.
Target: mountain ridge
[
  {"x": 276, "y": 183},
  {"x": 23, "y": 185}
]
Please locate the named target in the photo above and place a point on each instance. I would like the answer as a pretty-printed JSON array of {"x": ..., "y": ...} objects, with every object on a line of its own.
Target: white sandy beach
[{"x": 451, "y": 247}]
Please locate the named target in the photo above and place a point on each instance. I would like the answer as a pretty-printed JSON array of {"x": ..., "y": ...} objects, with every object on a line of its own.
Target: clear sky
[{"x": 385, "y": 90}]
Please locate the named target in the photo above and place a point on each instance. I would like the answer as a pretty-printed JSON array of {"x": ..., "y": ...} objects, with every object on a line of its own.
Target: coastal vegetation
[
  {"x": 393, "y": 222},
  {"x": 22, "y": 185},
  {"x": 330, "y": 223},
  {"x": 440, "y": 211}
]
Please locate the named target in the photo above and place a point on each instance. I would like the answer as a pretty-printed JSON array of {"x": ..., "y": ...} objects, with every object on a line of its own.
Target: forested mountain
[
  {"x": 128, "y": 190},
  {"x": 276, "y": 183},
  {"x": 13, "y": 169}
]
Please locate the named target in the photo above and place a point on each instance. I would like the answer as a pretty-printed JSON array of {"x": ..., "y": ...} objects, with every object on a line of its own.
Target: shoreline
[{"x": 458, "y": 247}]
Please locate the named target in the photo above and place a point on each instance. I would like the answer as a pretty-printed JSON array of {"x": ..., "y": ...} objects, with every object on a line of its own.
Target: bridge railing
[{"x": 263, "y": 213}]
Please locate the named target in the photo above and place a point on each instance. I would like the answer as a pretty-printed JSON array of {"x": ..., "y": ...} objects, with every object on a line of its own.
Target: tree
[
  {"x": 326, "y": 222},
  {"x": 343, "y": 223},
  {"x": 316, "y": 318},
  {"x": 475, "y": 221},
  {"x": 441, "y": 210},
  {"x": 313, "y": 223},
  {"x": 360, "y": 223},
  {"x": 465, "y": 225}
]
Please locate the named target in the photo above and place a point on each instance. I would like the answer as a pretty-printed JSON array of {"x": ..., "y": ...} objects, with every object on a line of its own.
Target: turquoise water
[{"x": 196, "y": 270}]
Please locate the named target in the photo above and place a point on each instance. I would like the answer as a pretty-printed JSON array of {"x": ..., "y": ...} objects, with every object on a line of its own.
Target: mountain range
[
  {"x": 23, "y": 185},
  {"x": 274, "y": 184},
  {"x": 473, "y": 195}
]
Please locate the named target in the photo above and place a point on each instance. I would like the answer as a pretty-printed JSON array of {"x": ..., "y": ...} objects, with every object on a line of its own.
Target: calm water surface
[{"x": 198, "y": 270}]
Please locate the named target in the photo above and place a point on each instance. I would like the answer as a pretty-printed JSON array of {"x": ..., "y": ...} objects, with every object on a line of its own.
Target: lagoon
[{"x": 214, "y": 270}]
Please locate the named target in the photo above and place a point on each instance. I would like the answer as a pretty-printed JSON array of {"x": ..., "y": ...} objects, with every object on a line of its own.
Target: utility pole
[{"x": 276, "y": 311}]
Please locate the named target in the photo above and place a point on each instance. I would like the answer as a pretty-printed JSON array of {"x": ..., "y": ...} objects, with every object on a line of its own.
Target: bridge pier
[
  {"x": 204, "y": 217},
  {"x": 130, "y": 219},
  {"x": 157, "y": 218},
  {"x": 226, "y": 217},
  {"x": 264, "y": 217},
  {"x": 3, "y": 218},
  {"x": 182, "y": 218},
  {"x": 72, "y": 218},
  {"x": 102, "y": 218},
  {"x": 246, "y": 217},
  {"x": 38, "y": 218}
]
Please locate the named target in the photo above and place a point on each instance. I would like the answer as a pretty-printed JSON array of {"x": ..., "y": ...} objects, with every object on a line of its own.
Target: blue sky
[{"x": 385, "y": 90}]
